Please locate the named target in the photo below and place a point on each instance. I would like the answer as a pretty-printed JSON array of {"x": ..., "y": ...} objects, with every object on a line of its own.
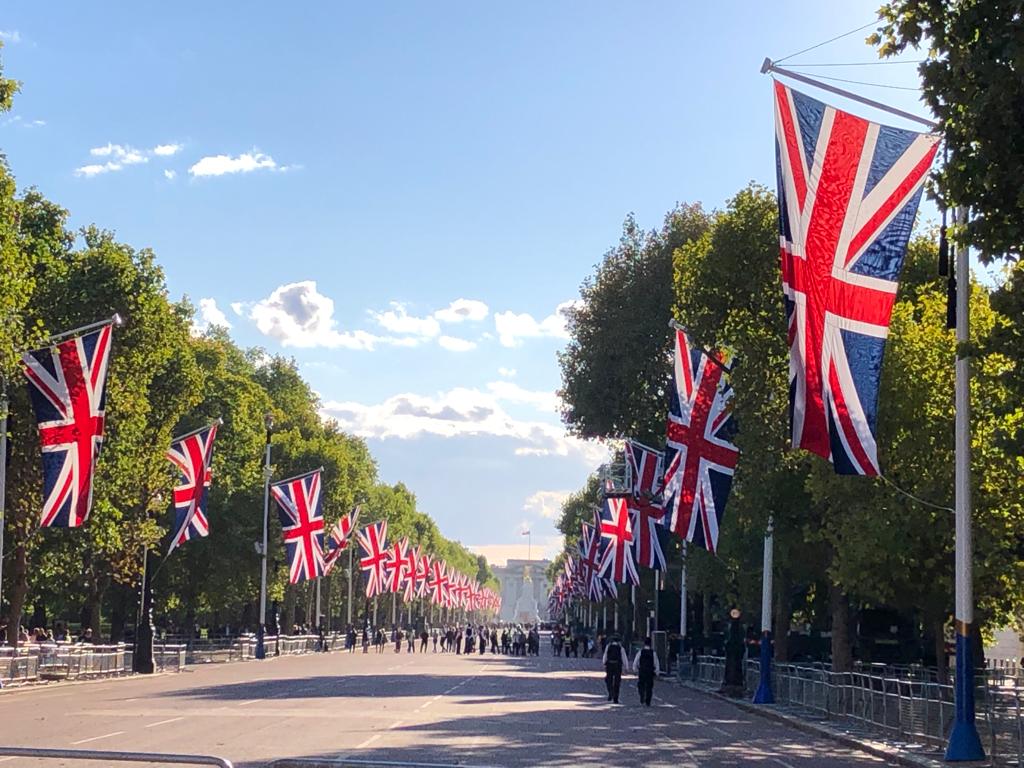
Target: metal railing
[
  {"x": 901, "y": 702},
  {"x": 121, "y": 757},
  {"x": 57, "y": 661}
]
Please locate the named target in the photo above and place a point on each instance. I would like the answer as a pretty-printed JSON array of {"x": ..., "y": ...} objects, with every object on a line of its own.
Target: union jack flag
[
  {"x": 848, "y": 194},
  {"x": 68, "y": 388},
  {"x": 409, "y": 586},
  {"x": 192, "y": 454},
  {"x": 396, "y": 566},
  {"x": 700, "y": 457},
  {"x": 438, "y": 585},
  {"x": 302, "y": 525},
  {"x": 617, "y": 533},
  {"x": 422, "y": 573},
  {"x": 340, "y": 538},
  {"x": 650, "y": 533},
  {"x": 373, "y": 541},
  {"x": 589, "y": 547}
]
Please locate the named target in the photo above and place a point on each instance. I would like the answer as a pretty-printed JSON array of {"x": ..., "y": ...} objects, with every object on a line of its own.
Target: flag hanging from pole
[
  {"x": 699, "y": 456},
  {"x": 849, "y": 190},
  {"x": 338, "y": 541},
  {"x": 192, "y": 454},
  {"x": 302, "y": 525},
  {"x": 68, "y": 389},
  {"x": 373, "y": 543}
]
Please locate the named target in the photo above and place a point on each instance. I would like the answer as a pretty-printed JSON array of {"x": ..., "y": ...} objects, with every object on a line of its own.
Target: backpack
[
  {"x": 646, "y": 664},
  {"x": 614, "y": 656}
]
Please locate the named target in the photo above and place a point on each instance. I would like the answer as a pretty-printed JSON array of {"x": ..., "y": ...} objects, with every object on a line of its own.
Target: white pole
[
  {"x": 682, "y": 599},
  {"x": 351, "y": 548},
  {"x": 319, "y": 615},
  {"x": 260, "y": 644},
  {"x": 764, "y": 694},
  {"x": 3, "y": 485},
  {"x": 657, "y": 597},
  {"x": 964, "y": 743}
]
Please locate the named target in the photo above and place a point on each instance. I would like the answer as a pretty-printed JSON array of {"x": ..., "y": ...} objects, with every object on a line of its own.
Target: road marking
[
  {"x": 783, "y": 763},
  {"x": 97, "y": 738},
  {"x": 395, "y": 724},
  {"x": 247, "y": 703},
  {"x": 369, "y": 741},
  {"x": 165, "y": 722}
]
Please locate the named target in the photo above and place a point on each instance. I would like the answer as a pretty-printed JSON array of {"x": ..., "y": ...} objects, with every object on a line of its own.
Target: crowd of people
[
  {"x": 505, "y": 639},
  {"x": 59, "y": 633}
]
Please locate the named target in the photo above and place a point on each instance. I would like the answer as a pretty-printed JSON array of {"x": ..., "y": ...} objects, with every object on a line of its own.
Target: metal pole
[
  {"x": 261, "y": 651},
  {"x": 768, "y": 66},
  {"x": 682, "y": 600},
  {"x": 764, "y": 693},
  {"x": 319, "y": 613},
  {"x": 964, "y": 742},
  {"x": 3, "y": 485},
  {"x": 657, "y": 595},
  {"x": 350, "y": 550}
]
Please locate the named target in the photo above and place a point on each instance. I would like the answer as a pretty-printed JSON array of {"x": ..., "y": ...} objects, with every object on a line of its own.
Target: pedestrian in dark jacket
[
  {"x": 647, "y": 667},
  {"x": 614, "y": 662}
]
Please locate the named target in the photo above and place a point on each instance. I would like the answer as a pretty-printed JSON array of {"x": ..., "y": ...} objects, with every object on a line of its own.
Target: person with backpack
[
  {"x": 647, "y": 668},
  {"x": 614, "y": 661}
]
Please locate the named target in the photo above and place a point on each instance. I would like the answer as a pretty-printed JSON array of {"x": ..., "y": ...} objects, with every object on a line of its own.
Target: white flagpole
[
  {"x": 682, "y": 600},
  {"x": 657, "y": 597},
  {"x": 764, "y": 693},
  {"x": 351, "y": 548},
  {"x": 964, "y": 742}
]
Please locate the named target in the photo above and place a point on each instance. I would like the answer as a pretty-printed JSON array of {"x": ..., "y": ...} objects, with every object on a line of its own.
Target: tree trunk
[
  {"x": 124, "y": 598},
  {"x": 782, "y": 617},
  {"x": 19, "y": 591},
  {"x": 705, "y": 632},
  {"x": 842, "y": 646},
  {"x": 289, "y": 610}
]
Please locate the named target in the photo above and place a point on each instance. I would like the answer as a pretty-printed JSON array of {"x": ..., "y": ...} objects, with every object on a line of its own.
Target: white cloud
[
  {"x": 166, "y": 150},
  {"x": 219, "y": 165},
  {"x": 512, "y": 328},
  {"x": 459, "y": 412},
  {"x": 513, "y": 393},
  {"x": 397, "y": 320},
  {"x": 121, "y": 155},
  {"x": 169, "y": 175},
  {"x": 508, "y": 373},
  {"x": 454, "y": 344},
  {"x": 546, "y": 503},
  {"x": 298, "y": 315},
  {"x": 463, "y": 309},
  {"x": 209, "y": 315},
  {"x": 10, "y": 36},
  {"x": 238, "y": 307}
]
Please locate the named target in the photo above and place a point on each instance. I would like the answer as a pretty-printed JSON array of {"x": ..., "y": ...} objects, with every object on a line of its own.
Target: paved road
[{"x": 479, "y": 711}]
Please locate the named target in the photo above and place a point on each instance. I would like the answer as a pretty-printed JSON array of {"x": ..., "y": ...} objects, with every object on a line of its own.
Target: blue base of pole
[
  {"x": 764, "y": 693},
  {"x": 964, "y": 742}
]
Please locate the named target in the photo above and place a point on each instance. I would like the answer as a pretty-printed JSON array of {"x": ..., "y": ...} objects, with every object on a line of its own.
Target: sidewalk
[{"x": 914, "y": 755}]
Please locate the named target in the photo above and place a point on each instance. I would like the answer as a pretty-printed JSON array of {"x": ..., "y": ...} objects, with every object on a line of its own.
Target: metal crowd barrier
[
  {"x": 902, "y": 702},
  {"x": 121, "y": 757}
]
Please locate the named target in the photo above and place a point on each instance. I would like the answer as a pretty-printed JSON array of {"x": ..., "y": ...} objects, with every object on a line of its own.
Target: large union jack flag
[
  {"x": 616, "y": 531},
  {"x": 340, "y": 538},
  {"x": 848, "y": 194},
  {"x": 396, "y": 566},
  {"x": 68, "y": 388},
  {"x": 373, "y": 541},
  {"x": 302, "y": 525},
  {"x": 192, "y": 454},
  {"x": 699, "y": 455}
]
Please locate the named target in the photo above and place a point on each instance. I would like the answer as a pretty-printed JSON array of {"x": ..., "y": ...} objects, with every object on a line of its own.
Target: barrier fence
[
  {"x": 907, "y": 703},
  {"x": 43, "y": 662}
]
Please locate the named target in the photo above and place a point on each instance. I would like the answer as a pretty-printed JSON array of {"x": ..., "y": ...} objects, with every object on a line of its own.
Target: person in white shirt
[
  {"x": 615, "y": 661},
  {"x": 646, "y": 667}
]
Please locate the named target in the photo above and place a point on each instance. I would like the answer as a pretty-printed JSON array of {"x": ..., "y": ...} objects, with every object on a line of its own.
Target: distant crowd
[
  {"x": 509, "y": 640},
  {"x": 41, "y": 635}
]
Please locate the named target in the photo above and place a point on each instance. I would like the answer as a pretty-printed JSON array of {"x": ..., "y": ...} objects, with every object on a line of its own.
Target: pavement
[{"x": 428, "y": 708}]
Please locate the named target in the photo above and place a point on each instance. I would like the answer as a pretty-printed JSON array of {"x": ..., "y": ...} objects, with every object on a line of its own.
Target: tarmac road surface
[{"x": 440, "y": 708}]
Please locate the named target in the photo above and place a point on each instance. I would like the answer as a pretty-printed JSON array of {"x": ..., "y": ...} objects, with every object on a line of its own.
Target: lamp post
[{"x": 261, "y": 651}]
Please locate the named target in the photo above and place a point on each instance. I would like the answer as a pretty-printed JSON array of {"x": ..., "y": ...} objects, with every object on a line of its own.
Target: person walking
[
  {"x": 614, "y": 661},
  {"x": 647, "y": 667}
]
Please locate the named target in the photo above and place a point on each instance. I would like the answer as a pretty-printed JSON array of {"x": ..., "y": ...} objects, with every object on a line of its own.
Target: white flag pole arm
[{"x": 769, "y": 66}]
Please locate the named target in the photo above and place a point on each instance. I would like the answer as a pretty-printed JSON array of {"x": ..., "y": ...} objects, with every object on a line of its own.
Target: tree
[
  {"x": 971, "y": 82},
  {"x": 615, "y": 366}
]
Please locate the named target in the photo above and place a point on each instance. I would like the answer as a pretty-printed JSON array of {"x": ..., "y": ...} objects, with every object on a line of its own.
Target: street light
[{"x": 261, "y": 651}]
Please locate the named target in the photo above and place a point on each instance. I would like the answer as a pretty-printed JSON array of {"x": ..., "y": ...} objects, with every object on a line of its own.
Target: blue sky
[{"x": 401, "y": 197}]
